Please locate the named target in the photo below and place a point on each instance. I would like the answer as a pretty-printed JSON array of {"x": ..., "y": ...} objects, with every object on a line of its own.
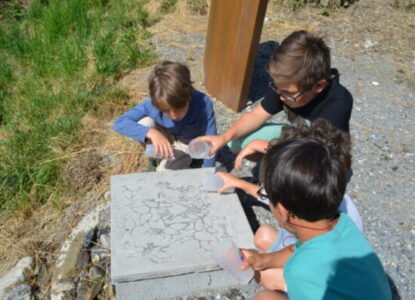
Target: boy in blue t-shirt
[
  {"x": 305, "y": 180},
  {"x": 173, "y": 115}
]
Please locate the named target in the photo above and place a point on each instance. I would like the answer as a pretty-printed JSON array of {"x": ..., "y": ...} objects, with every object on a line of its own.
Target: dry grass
[
  {"x": 391, "y": 30},
  {"x": 40, "y": 232}
]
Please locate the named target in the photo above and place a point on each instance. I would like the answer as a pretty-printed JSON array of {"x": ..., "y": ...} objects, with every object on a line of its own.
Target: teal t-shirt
[{"x": 339, "y": 264}]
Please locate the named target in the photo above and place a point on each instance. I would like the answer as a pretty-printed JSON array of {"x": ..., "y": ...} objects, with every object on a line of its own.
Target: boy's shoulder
[
  {"x": 345, "y": 235},
  {"x": 337, "y": 91},
  {"x": 199, "y": 96},
  {"x": 347, "y": 254},
  {"x": 147, "y": 107}
]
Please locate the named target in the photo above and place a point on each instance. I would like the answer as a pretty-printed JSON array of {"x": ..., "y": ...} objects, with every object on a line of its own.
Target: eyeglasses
[
  {"x": 262, "y": 194},
  {"x": 289, "y": 98}
]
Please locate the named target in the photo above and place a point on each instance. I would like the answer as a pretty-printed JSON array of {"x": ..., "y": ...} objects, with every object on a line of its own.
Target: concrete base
[
  {"x": 174, "y": 286},
  {"x": 164, "y": 226}
]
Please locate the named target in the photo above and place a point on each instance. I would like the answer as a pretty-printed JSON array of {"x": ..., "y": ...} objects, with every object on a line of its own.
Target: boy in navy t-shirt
[{"x": 303, "y": 85}]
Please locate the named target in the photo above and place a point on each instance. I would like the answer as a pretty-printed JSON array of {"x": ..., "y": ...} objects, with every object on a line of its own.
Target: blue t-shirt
[
  {"x": 339, "y": 264},
  {"x": 199, "y": 121}
]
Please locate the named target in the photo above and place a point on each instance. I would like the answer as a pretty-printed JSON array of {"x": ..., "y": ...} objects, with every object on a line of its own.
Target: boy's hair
[
  {"x": 307, "y": 169},
  {"x": 170, "y": 85},
  {"x": 302, "y": 58}
]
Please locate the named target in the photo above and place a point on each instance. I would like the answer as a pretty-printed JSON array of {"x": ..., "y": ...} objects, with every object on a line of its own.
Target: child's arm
[
  {"x": 210, "y": 129},
  {"x": 231, "y": 181},
  {"x": 161, "y": 144},
  {"x": 254, "y": 146},
  {"x": 246, "y": 124},
  {"x": 264, "y": 261},
  {"x": 127, "y": 125}
]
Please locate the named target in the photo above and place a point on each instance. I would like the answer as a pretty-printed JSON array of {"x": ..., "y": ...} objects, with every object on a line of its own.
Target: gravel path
[{"x": 382, "y": 127}]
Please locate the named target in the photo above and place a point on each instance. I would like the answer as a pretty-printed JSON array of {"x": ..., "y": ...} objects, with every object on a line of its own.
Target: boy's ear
[
  {"x": 320, "y": 85},
  {"x": 283, "y": 211}
]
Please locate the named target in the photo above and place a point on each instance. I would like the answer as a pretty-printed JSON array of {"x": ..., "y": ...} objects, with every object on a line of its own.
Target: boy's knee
[
  {"x": 264, "y": 295},
  {"x": 148, "y": 122},
  {"x": 269, "y": 295},
  {"x": 272, "y": 279},
  {"x": 265, "y": 237}
]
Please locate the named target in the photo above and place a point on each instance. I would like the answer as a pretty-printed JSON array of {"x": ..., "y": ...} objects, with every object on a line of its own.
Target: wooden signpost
[{"x": 233, "y": 35}]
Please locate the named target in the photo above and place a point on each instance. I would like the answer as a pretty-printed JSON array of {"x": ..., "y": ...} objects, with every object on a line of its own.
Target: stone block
[
  {"x": 174, "y": 286},
  {"x": 163, "y": 227}
]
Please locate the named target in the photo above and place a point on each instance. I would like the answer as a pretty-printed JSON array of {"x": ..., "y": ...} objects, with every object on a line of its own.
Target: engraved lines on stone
[{"x": 174, "y": 217}]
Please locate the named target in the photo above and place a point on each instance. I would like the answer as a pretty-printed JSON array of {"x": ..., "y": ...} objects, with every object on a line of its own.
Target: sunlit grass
[{"x": 56, "y": 62}]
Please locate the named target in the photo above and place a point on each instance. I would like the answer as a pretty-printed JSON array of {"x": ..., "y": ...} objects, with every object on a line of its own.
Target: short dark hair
[
  {"x": 302, "y": 58},
  {"x": 170, "y": 85},
  {"x": 337, "y": 140},
  {"x": 307, "y": 172}
]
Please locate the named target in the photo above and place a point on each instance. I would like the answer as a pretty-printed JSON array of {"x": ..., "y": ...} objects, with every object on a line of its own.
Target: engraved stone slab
[
  {"x": 164, "y": 224},
  {"x": 175, "y": 286}
]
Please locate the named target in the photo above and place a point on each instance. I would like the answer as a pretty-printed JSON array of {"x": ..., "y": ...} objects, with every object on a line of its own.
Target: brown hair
[
  {"x": 306, "y": 170},
  {"x": 338, "y": 141},
  {"x": 302, "y": 58},
  {"x": 170, "y": 85}
]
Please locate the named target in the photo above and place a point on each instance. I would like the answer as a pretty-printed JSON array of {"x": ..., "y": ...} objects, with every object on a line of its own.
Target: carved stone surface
[{"x": 164, "y": 224}]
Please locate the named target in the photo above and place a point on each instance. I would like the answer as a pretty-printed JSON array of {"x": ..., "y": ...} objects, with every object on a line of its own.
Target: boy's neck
[{"x": 306, "y": 230}]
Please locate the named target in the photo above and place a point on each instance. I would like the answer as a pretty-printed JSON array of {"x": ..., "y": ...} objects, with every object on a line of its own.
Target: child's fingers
[
  {"x": 221, "y": 190},
  {"x": 244, "y": 265},
  {"x": 164, "y": 150},
  {"x": 247, "y": 259},
  {"x": 170, "y": 151},
  {"x": 217, "y": 142},
  {"x": 238, "y": 162}
]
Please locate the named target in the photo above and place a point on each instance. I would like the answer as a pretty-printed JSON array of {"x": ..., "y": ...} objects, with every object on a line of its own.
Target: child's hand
[
  {"x": 217, "y": 141},
  {"x": 161, "y": 144},
  {"x": 231, "y": 181},
  {"x": 251, "y": 259},
  {"x": 253, "y": 147},
  {"x": 244, "y": 153}
]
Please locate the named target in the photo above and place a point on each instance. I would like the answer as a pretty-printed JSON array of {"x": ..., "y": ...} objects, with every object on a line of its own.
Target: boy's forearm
[
  {"x": 276, "y": 259},
  {"x": 248, "y": 187},
  {"x": 246, "y": 124},
  {"x": 131, "y": 129}
]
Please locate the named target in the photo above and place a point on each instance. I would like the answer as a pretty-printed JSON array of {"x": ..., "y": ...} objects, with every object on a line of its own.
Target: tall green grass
[{"x": 57, "y": 61}]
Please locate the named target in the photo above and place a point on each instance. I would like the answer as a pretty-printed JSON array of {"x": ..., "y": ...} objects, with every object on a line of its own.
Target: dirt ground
[{"x": 367, "y": 25}]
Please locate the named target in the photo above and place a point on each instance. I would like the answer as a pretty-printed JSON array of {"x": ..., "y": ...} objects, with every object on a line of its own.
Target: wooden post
[{"x": 232, "y": 40}]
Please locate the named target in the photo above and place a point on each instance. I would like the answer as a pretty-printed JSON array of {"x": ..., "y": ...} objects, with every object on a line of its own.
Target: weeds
[
  {"x": 198, "y": 6},
  {"x": 167, "y": 6},
  {"x": 53, "y": 58},
  {"x": 325, "y": 12}
]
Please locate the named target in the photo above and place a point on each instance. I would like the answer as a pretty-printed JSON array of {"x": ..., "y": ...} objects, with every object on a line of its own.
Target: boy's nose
[{"x": 174, "y": 115}]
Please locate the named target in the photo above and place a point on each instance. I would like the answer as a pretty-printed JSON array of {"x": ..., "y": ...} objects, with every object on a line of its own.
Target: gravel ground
[{"x": 382, "y": 127}]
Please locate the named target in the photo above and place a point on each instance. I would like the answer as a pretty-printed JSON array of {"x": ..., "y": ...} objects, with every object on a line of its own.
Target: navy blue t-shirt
[{"x": 334, "y": 104}]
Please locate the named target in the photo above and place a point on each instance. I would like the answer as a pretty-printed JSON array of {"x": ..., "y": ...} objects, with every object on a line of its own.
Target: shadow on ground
[
  {"x": 394, "y": 289},
  {"x": 260, "y": 77}
]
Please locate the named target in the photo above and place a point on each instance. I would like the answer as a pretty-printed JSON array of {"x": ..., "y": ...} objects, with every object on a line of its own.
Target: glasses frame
[
  {"x": 272, "y": 86},
  {"x": 262, "y": 195}
]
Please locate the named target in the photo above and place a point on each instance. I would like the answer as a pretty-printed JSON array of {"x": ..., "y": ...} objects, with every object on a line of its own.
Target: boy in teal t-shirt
[
  {"x": 305, "y": 179},
  {"x": 343, "y": 266}
]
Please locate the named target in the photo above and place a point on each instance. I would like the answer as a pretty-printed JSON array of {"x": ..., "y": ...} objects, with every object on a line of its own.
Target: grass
[
  {"x": 58, "y": 61},
  {"x": 167, "y": 6}
]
